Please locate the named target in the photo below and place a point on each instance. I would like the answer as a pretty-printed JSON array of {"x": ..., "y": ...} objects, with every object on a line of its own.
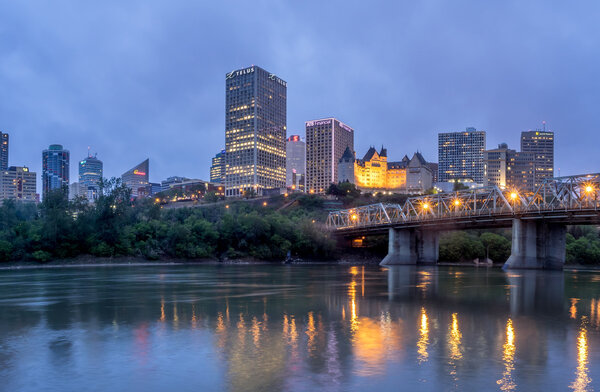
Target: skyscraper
[
  {"x": 295, "y": 152},
  {"x": 255, "y": 129},
  {"x": 460, "y": 155},
  {"x": 326, "y": 141},
  {"x": 137, "y": 177},
  {"x": 509, "y": 169},
  {"x": 541, "y": 144},
  {"x": 3, "y": 151},
  {"x": 217, "y": 169},
  {"x": 90, "y": 175},
  {"x": 55, "y": 168}
]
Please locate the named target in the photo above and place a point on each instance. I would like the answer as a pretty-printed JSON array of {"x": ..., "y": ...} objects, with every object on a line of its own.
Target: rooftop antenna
[
  {"x": 89, "y": 152},
  {"x": 544, "y": 125}
]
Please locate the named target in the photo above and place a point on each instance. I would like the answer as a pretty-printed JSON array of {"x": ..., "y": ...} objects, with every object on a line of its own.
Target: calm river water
[{"x": 298, "y": 328}]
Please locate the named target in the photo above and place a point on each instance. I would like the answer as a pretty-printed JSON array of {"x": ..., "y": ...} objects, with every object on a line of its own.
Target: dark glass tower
[
  {"x": 137, "y": 177},
  {"x": 55, "y": 168},
  {"x": 3, "y": 151},
  {"x": 90, "y": 175},
  {"x": 255, "y": 130},
  {"x": 217, "y": 169},
  {"x": 541, "y": 144}
]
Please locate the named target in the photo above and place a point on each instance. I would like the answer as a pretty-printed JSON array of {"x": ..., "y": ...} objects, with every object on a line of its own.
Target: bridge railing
[{"x": 557, "y": 194}]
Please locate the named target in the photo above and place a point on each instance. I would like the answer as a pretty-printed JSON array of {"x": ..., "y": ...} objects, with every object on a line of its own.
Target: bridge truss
[{"x": 572, "y": 193}]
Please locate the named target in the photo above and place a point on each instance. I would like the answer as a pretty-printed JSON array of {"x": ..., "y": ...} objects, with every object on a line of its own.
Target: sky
[{"x": 141, "y": 79}]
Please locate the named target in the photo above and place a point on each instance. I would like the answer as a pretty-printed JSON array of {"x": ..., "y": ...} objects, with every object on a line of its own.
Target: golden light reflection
[
  {"x": 352, "y": 294},
  {"x": 175, "y": 315},
  {"x": 425, "y": 279},
  {"x": 595, "y": 312},
  {"x": 508, "y": 357},
  {"x": 241, "y": 326},
  {"x": 573, "y": 308},
  {"x": 194, "y": 318},
  {"x": 311, "y": 333},
  {"x": 256, "y": 331},
  {"x": 374, "y": 343},
  {"x": 220, "y": 323},
  {"x": 423, "y": 342},
  {"x": 582, "y": 381},
  {"x": 162, "y": 311},
  {"x": 454, "y": 339}
]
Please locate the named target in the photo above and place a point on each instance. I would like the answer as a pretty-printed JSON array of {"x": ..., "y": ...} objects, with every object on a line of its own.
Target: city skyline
[{"x": 401, "y": 97}]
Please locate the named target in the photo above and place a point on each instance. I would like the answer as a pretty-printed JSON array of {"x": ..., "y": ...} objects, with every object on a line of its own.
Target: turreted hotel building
[{"x": 255, "y": 131}]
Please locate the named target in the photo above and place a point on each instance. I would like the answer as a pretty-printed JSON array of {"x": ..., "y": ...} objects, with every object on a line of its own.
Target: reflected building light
[
  {"x": 583, "y": 380},
  {"x": 256, "y": 332},
  {"x": 175, "y": 315},
  {"x": 220, "y": 323},
  {"x": 162, "y": 310},
  {"x": 265, "y": 322},
  {"x": 194, "y": 318},
  {"x": 423, "y": 342},
  {"x": 454, "y": 339},
  {"x": 362, "y": 282},
  {"x": 573, "y": 308},
  {"x": 241, "y": 326},
  {"x": 508, "y": 357},
  {"x": 311, "y": 333}
]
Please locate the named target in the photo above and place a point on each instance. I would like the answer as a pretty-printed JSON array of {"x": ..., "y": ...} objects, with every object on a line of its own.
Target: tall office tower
[
  {"x": 326, "y": 141},
  {"x": 255, "y": 128},
  {"x": 217, "y": 169},
  {"x": 509, "y": 169},
  {"x": 3, "y": 151},
  {"x": 55, "y": 168},
  {"x": 541, "y": 144},
  {"x": 137, "y": 178},
  {"x": 90, "y": 175},
  {"x": 18, "y": 183},
  {"x": 295, "y": 152},
  {"x": 460, "y": 156}
]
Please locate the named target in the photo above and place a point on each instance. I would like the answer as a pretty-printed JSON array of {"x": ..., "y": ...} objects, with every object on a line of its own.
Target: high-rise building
[
  {"x": 18, "y": 183},
  {"x": 55, "y": 168},
  {"x": 217, "y": 169},
  {"x": 541, "y": 144},
  {"x": 255, "y": 130},
  {"x": 90, "y": 175},
  {"x": 137, "y": 177},
  {"x": 295, "y": 151},
  {"x": 326, "y": 141},
  {"x": 509, "y": 169},
  {"x": 460, "y": 156},
  {"x": 3, "y": 151}
]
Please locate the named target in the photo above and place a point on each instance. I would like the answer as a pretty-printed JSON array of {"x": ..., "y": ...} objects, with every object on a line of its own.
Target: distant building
[
  {"x": 18, "y": 183},
  {"x": 90, "y": 176},
  {"x": 171, "y": 181},
  {"x": 255, "y": 131},
  {"x": 295, "y": 150},
  {"x": 55, "y": 168},
  {"x": 460, "y": 155},
  {"x": 217, "y": 169},
  {"x": 541, "y": 144},
  {"x": 326, "y": 141},
  {"x": 3, "y": 151},
  {"x": 509, "y": 169},
  {"x": 137, "y": 178},
  {"x": 74, "y": 190},
  {"x": 374, "y": 173}
]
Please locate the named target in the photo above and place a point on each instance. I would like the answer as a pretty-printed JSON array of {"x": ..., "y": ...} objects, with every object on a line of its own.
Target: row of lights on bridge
[{"x": 514, "y": 195}]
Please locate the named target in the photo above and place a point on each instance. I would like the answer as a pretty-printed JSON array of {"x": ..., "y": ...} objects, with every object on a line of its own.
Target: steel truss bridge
[{"x": 563, "y": 200}]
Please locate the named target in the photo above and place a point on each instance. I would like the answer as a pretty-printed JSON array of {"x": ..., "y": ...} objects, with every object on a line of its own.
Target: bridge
[{"x": 538, "y": 220}]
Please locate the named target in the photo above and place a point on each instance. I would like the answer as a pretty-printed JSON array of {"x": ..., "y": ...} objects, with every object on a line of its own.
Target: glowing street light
[
  {"x": 589, "y": 189},
  {"x": 425, "y": 206},
  {"x": 354, "y": 217},
  {"x": 456, "y": 202},
  {"x": 513, "y": 195},
  {"x": 264, "y": 203}
]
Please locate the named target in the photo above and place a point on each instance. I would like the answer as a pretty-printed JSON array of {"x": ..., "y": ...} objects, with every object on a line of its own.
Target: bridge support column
[
  {"x": 537, "y": 245},
  {"x": 428, "y": 247},
  {"x": 401, "y": 248}
]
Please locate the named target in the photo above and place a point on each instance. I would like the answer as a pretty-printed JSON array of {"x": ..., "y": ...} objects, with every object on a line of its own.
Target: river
[{"x": 298, "y": 328}]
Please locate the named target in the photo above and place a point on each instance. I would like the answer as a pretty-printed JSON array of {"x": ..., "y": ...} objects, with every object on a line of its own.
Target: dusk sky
[{"x": 146, "y": 79}]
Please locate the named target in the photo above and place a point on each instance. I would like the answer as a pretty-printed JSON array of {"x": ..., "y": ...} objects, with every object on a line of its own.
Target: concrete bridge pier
[
  {"x": 412, "y": 246},
  {"x": 537, "y": 245}
]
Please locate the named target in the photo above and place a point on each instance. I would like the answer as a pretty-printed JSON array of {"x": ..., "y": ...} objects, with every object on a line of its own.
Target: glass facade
[
  {"x": 541, "y": 144},
  {"x": 255, "y": 131},
  {"x": 137, "y": 178},
  {"x": 295, "y": 162},
  {"x": 90, "y": 175},
  {"x": 217, "y": 169},
  {"x": 460, "y": 156},
  {"x": 3, "y": 151},
  {"x": 55, "y": 168},
  {"x": 326, "y": 141}
]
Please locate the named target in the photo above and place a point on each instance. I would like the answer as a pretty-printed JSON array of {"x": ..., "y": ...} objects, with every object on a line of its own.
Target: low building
[
  {"x": 506, "y": 168},
  {"x": 18, "y": 183}
]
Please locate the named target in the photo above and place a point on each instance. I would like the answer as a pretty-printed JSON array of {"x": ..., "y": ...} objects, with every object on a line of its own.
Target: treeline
[{"x": 116, "y": 226}]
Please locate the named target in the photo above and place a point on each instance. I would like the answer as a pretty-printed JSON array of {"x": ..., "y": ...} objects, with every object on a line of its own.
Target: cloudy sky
[{"x": 143, "y": 78}]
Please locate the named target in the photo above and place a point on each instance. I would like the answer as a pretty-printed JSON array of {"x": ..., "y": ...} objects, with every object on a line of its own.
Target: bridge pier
[
  {"x": 537, "y": 245},
  {"x": 412, "y": 246}
]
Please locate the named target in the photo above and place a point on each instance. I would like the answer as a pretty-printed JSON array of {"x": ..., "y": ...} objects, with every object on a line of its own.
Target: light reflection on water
[{"x": 276, "y": 328}]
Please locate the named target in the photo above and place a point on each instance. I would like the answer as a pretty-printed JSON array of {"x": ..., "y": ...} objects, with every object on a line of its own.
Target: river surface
[{"x": 298, "y": 328}]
